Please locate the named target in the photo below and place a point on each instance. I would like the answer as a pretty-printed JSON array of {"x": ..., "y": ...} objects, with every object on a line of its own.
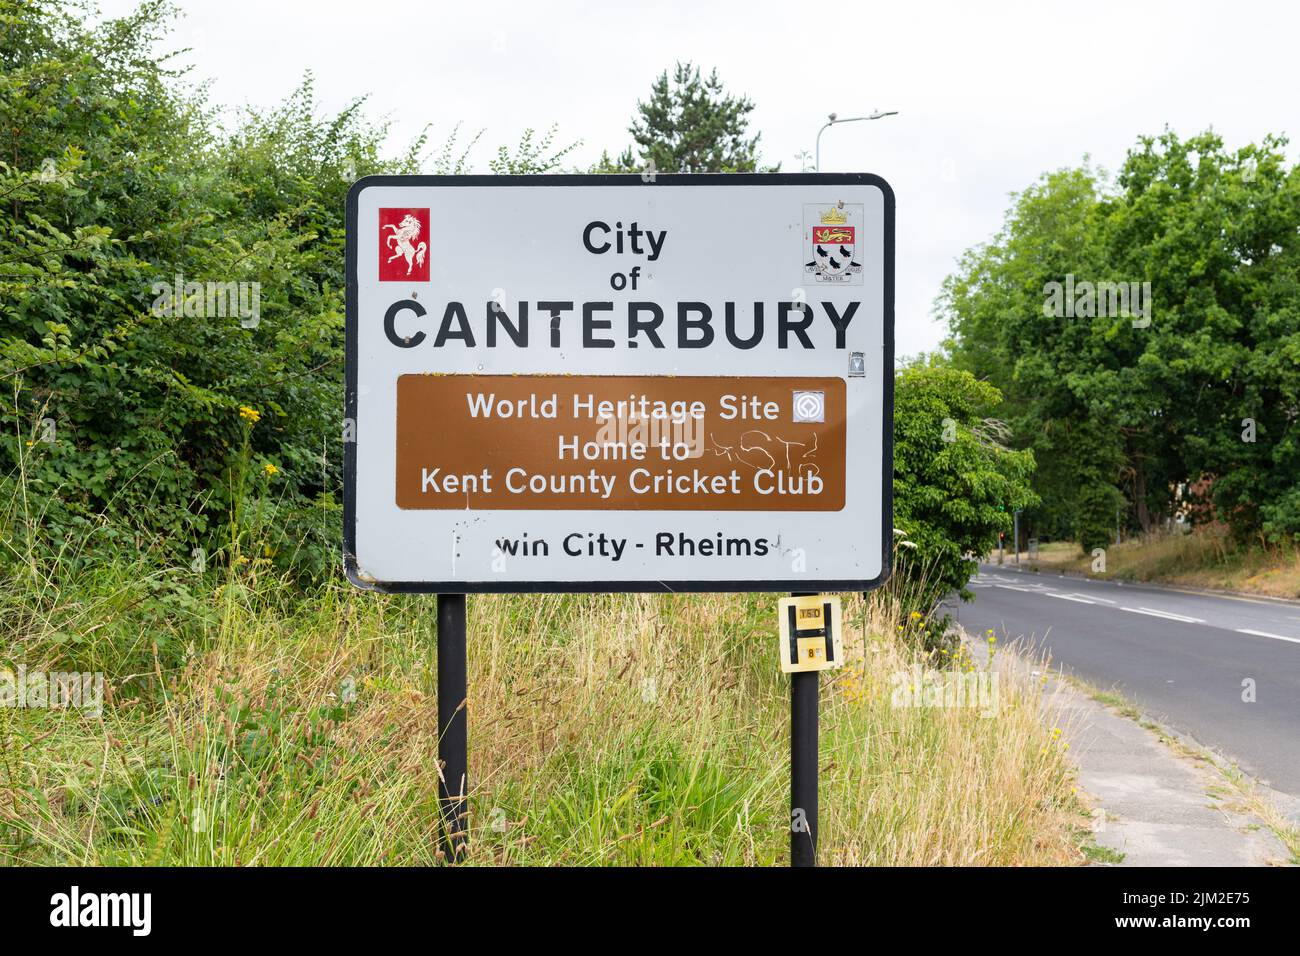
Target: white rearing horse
[{"x": 402, "y": 240}]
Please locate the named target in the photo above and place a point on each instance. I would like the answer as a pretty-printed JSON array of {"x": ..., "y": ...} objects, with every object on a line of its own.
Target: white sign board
[{"x": 619, "y": 383}]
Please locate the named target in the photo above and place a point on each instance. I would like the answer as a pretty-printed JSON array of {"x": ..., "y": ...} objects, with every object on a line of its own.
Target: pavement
[{"x": 1154, "y": 803}]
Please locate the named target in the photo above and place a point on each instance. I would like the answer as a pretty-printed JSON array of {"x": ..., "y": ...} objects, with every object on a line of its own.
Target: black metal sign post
[
  {"x": 453, "y": 724},
  {"x": 805, "y": 688}
]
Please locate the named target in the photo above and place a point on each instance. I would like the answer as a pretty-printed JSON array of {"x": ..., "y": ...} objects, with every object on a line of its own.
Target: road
[{"x": 1182, "y": 657}]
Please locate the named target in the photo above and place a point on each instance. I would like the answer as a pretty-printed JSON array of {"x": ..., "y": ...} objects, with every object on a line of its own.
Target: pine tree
[{"x": 690, "y": 124}]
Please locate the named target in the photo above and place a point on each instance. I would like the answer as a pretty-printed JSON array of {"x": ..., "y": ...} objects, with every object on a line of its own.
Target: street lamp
[{"x": 834, "y": 119}]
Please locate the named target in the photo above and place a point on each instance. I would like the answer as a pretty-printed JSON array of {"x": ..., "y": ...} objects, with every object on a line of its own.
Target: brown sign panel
[{"x": 620, "y": 442}]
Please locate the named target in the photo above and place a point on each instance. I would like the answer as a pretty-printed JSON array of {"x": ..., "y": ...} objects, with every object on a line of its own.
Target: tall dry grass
[
  {"x": 604, "y": 729},
  {"x": 1207, "y": 557}
]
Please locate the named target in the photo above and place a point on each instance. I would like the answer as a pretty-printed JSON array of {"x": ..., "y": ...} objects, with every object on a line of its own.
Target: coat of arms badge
[{"x": 831, "y": 251}]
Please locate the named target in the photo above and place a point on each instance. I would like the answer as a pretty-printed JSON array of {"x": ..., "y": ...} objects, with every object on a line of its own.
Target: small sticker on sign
[{"x": 809, "y": 406}]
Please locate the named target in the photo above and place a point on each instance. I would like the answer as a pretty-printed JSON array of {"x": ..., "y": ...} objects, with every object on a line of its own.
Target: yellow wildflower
[
  {"x": 270, "y": 469},
  {"x": 250, "y": 415}
]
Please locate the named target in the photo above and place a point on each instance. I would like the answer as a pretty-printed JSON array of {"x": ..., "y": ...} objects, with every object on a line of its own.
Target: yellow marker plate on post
[{"x": 810, "y": 630}]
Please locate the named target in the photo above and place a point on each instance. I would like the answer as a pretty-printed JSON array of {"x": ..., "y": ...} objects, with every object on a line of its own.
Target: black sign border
[{"x": 616, "y": 587}]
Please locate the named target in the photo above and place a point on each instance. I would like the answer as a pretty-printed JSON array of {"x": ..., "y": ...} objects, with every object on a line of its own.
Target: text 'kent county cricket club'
[{"x": 693, "y": 325}]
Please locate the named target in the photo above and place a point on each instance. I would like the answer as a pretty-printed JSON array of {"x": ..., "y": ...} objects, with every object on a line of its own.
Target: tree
[
  {"x": 1219, "y": 234},
  {"x": 1041, "y": 364},
  {"x": 1123, "y": 409},
  {"x": 689, "y": 125}
]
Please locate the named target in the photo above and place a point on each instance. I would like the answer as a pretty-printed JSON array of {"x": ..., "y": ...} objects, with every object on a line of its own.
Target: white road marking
[
  {"x": 1072, "y": 597},
  {"x": 1276, "y": 637},
  {"x": 995, "y": 579},
  {"x": 1152, "y": 612}
]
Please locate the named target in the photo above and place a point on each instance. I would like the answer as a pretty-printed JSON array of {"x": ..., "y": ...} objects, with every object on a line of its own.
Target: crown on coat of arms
[{"x": 834, "y": 217}]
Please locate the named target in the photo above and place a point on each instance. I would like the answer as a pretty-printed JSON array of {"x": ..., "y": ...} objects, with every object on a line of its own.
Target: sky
[{"x": 990, "y": 95}]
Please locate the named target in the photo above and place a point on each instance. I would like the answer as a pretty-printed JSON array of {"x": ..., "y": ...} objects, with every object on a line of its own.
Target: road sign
[{"x": 619, "y": 383}]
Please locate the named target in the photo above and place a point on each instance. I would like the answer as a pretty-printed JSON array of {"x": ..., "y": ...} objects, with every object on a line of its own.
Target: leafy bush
[
  {"x": 956, "y": 486},
  {"x": 120, "y": 183}
]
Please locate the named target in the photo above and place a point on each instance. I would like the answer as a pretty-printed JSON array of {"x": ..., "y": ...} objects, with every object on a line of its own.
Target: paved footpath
[{"x": 1150, "y": 803}]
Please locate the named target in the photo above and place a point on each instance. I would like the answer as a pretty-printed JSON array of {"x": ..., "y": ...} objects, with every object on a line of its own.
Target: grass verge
[
  {"x": 1238, "y": 787},
  {"x": 247, "y": 723},
  {"x": 1204, "y": 559}
]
